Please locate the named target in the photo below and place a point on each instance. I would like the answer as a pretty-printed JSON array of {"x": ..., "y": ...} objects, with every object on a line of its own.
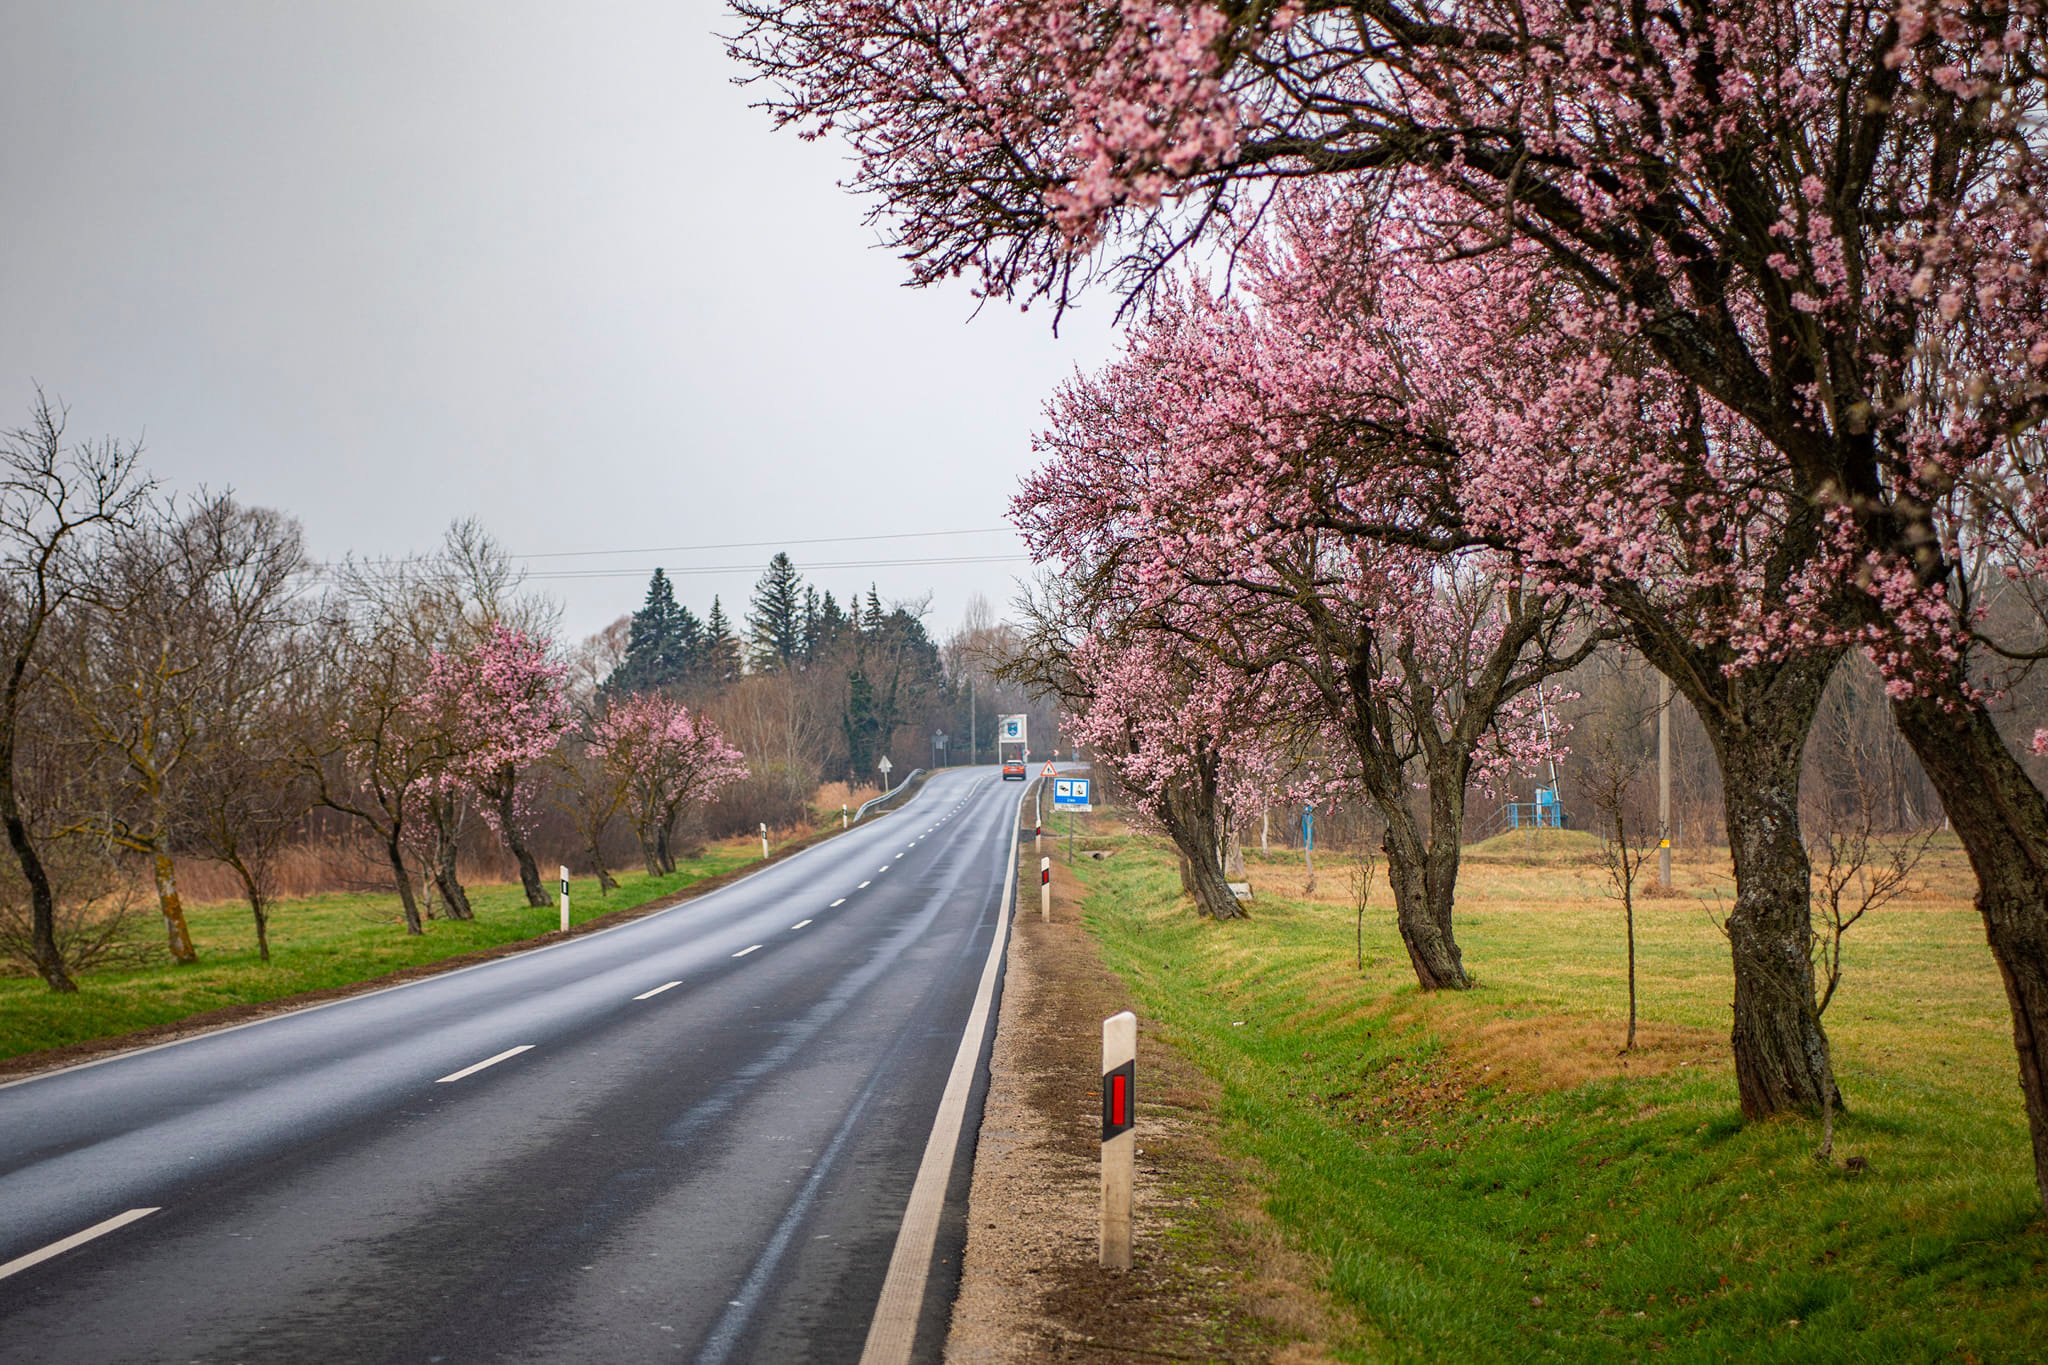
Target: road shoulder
[{"x": 1212, "y": 1281}]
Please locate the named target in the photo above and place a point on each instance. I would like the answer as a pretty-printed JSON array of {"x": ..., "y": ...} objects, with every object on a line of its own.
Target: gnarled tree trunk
[
  {"x": 1781, "y": 1051},
  {"x": 1189, "y": 814},
  {"x": 508, "y": 829},
  {"x": 394, "y": 853},
  {"x": 2002, "y": 819},
  {"x": 1758, "y": 717},
  {"x": 176, "y": 932},
  {"x": 447, "y": 884},
  {"x": 605, "y": 881},
  {"x": 1423, "y": 876}
]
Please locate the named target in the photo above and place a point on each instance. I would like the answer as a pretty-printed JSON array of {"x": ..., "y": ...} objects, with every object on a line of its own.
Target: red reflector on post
[{"x": 1118, "y": 1087}]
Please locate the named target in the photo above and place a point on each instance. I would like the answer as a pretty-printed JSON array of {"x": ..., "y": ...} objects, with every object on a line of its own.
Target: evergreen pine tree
[
  {"x": 651, "y": 639},
  {"x": 689, "y": 646},
  {"x": 810, "y": 623},
  {"x": 721, "y": 647},
  {"x": 775, "y": 619}
]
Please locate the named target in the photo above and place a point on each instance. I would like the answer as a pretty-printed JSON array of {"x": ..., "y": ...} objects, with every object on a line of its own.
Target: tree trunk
[
  {"x": 453, "y": 898},
  {"x": 508, "y": 829},
  {"x": 663, "y": 853},
  {"x": 42, "y": 901},
  {"x": 650, "y": 851},
  {"x": 258, "y": 905},
  {"x": 176, "y": 932},
  {"x": 1213, "y": 895},
  {"x": 1424, "y": 882},
  {"x": 1781, "y": 1051},
  {"x": 1190, "y": 820},
  {"x": 605, "y": 882},
  {"x": 2002, "y": 819},
  {"x": 394, "y": 851}
]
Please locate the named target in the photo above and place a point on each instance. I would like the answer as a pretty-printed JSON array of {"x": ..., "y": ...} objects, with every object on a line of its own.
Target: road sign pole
[
  {"x": 1119, "y": 1138},
  {"x": 565, "y": 900}
]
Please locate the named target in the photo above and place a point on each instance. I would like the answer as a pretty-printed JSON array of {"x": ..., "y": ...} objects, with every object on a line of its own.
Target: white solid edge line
[
  {"x": 744, "y": 951},
  {"x": 893, "y": 1331},
  {"x": 424, "y": 980},
  {"x": 76, "y": 1239},
  {"x": 475, "y": 1067},
  {"x": 836, "y": 904},
  {"x": 649, "y": 995},
  {"x": 802, "y": 923}
]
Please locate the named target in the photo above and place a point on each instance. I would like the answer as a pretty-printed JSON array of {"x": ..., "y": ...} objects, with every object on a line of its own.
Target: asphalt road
[{"x": 711, "y": 1170}]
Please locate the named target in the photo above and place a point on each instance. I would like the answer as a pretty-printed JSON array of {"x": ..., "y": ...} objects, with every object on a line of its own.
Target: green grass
[
  {"x": 316, "y": 943},
  {"x": 1482, "y": 1177}
]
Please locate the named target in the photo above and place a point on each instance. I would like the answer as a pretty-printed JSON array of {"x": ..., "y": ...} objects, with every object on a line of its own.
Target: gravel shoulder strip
[{"x": 1210, "y": 1281}]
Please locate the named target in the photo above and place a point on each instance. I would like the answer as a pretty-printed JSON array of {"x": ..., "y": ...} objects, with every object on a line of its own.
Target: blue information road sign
[{"x": 1071, "y": 793}]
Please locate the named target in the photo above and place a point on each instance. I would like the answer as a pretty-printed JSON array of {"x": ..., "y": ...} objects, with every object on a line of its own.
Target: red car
[{"x": 1013, "y": 771}]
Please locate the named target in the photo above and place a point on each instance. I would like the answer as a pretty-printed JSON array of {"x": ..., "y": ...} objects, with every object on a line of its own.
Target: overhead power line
[
  {"x": 382, "y": 567},
  {"x": 763, "y": 544}
]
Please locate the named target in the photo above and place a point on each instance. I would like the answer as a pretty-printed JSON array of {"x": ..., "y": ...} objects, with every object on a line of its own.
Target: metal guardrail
[{"x": 889, "y": 795}]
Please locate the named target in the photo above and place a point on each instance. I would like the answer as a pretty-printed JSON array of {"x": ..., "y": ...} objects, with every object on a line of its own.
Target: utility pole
[{"x": 1663, "y": 782}]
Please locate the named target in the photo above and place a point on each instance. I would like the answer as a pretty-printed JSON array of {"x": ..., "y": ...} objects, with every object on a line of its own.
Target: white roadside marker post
[
  {"x": 1045, "y": 889},
  {"x": 565, "y": 900},
  {"x": 1119, "y": 1141},
  {"x": 764, "y": 841},
  {"x": 842, "y": 815}
]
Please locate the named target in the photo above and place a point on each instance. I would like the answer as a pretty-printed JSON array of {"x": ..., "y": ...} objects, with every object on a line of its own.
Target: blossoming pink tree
[
  {"x": 1178, "y": 732},
  {"x": 1182, "y": 482},
  {"x": 1500, "y": 403},
  {"x": 664, "y": 759},
  {"x": 499, "y": 707},
  {"x": 1827, "y": 216}
]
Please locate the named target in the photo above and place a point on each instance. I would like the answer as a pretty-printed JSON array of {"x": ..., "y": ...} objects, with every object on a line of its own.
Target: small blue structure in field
[{"x": 1543, "y": 813}]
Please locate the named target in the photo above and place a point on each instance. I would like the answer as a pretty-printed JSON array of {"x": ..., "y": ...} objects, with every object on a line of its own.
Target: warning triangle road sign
[{"x": 1048, "y": 771}]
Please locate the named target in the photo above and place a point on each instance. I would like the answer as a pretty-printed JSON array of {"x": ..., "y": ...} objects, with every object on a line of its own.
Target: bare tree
[
  {"x": 55, "y": 498},
  {"x": 367, "y": 756},
  {"x": 591, "y": 794},
  {"x": 1615, "y": 796},
  {"x": 181, "y": 634},
  {"x": 1860, "y": 862}
]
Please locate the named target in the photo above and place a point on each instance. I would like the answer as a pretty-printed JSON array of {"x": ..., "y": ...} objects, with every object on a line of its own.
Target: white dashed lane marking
[
  {"x": 744, "y": 951},
  {"x": 649, "y": 995},
  {"x": 475, "y": 1067},
  {"x": 836, "y": 904},
  {"x": 863, "y": 886},
  {"x": 76, "y": 1239},
  {"x": 798, "y": 925}
]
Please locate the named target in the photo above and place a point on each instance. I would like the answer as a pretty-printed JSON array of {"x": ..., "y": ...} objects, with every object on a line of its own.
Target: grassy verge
[
  {"x": 1481, "y": 1175},
  {"x": 317, "y": 943}
]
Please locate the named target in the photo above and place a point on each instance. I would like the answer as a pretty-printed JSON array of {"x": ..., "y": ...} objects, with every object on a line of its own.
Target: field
[
  {"x": 316, "y": 943},
  {"x": 1484, "y": 1175}
]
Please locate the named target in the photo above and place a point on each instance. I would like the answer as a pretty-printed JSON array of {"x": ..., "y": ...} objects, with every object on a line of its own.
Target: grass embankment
[
  {"x": 317, "y": 943},
  {"x": 1480, "y": 1175}
]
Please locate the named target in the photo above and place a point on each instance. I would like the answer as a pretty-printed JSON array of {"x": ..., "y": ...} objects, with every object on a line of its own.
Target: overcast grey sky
[{"x": 386, "y": 264}]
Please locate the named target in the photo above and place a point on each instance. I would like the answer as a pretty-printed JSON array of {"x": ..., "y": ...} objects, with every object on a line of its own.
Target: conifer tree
[
  {"x": 721, "y": 646},
  {"x": 651, "y": 661},
  {"x": 775, "y": 619}
]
